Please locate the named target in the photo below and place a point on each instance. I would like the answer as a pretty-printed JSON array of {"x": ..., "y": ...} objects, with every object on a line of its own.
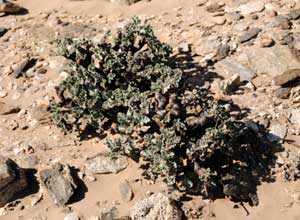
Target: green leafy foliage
[{"x": 174, "y": 127}]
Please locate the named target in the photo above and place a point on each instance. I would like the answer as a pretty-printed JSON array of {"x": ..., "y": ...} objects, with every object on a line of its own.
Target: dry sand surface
[{"x": 30, "y": 139}]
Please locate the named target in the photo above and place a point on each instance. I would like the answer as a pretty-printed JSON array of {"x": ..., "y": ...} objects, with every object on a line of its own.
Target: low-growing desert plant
[{"x": 177, "y": 130}]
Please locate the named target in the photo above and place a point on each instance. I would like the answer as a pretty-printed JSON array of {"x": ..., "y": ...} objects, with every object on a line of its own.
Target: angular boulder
[
  {"x": 12, "y": 180},
  {"x": 59, "y": 183}
]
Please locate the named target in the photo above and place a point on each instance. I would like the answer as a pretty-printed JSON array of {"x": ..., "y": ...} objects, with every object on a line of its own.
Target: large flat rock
[{"x": 272, "y": 61}]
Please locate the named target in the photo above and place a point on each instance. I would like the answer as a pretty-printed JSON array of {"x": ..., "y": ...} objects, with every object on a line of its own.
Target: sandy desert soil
[{"x": 32, "y": 141}]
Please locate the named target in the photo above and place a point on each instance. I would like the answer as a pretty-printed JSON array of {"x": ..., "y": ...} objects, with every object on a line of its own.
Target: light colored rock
[
  {"x": 229, "y": 85},
  {"x": 102, "y": 164},
  {"x": 72, "y": 216},
  {"x": 279, "y": 160},
  {"x": 295, "y": 118},
  {"x": 214, "y": 6},
  {"x": 251, "y": 7},
  {"x": 207, "y": 45},
  {"x": 286, "y": 76},
  {"x": 18, "y": 68},
  {"x": 282, "y": 22},
  {"x": 6, "y": 109},
  {"x": 184, "y": 47},
  {"x": 272, "y": 61},
  {"x": 125, "y": 191},
  {"x": 231, "y": 67},
  {"x": 156, "y": 207},
  {"x": 277, "y": 133},
  {"x": 265, "y": 41}
]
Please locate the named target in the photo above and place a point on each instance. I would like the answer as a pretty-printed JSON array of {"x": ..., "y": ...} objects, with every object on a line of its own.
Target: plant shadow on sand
[{"x": 239, "y": 183}]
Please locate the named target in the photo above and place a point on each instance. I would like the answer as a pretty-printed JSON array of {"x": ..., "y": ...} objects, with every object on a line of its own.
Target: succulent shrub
[{"x": 175, "y": 128}]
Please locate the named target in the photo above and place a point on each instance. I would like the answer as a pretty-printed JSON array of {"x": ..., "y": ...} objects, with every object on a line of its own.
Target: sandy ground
[{"x": 275, "y": 198}]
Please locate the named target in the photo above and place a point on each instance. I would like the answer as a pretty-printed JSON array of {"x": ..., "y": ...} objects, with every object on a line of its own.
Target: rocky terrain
[{"x": 248, "y": 51}]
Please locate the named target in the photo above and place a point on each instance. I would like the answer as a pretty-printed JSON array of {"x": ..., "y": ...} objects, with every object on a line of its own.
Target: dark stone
[
  {"x": 9, "y": 7},
  {"x": 59, "y": 182},
  {"x": 2, "y": 31},
  {"x": 223, "y": 51},
  {"x": 12, "y": 180},
  {"x": 250, "y": 34}
]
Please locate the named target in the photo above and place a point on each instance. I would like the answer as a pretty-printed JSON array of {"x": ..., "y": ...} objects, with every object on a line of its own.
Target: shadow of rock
[{"x": 81, "y": 187}]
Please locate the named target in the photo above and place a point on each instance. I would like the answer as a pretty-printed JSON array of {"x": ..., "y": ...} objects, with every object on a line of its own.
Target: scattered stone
[
  {"x": 120, "y": 2},
  {"x": 126, "y": 191},
  {"x": 279, "y": 160},
  {"x": 2, "y": 31},
  {"x": 184, "y": 48},
  {"x": 219, "y": 20},
  {"x": 36, "y": 199},
  {"x": 9, "y": 7},
  {"x": 124, "y": 2},
  {"x": 213, "y": 6},
  {"x": 266, "y": 41},
  {"x": 294, "y": 14},
  {"x": 193, "y": 209},
  {"x": 251, "y": 7},
  {"x": 254, "y": 17},
  {"x": 158, "y": 207},
  {"x": 39, "y": 113},
  {"x": 229, "y": 85},
  {"x": 20, "y": 67},
  {"x": 103, "y": 164},
  {"x": 232, "y": 67},
  {"x": 277, "y": 133},
  {"x": 13, "y": 125},
  {"x": 234, "y": 16},
  {"x": 42, "y": 70},
  {"x": 287, "y": 39},
  {"x": 250, "y": 34},
  {"x": 295, "y": 118},
  {"x": 282, "y": 22},
  {"x": 282, "y": 93},
  {"x": 6, "y": 109},
  {"x": 249, "y": 86},
  {"x": 12, "y": 180},
  {"x": 72, "y": 216},
  {"x": 286, "y": 77},
  {"x": 59, "y": 182},
  {"x": 222, "y": 51}
]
